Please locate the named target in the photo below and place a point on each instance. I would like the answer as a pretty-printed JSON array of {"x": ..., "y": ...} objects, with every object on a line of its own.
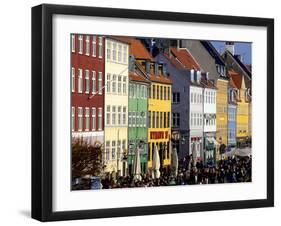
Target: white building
[
  {"x": 209, "y": 118},
  {"x": 116, "y": 105},
  {"x": 196, "y": 116}
]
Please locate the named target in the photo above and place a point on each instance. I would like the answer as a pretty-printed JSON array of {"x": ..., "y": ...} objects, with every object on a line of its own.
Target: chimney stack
[{"x": 230, "y": 47}]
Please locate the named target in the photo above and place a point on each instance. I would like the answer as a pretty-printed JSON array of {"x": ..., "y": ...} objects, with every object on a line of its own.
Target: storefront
[{"x": 210, "y": 144}]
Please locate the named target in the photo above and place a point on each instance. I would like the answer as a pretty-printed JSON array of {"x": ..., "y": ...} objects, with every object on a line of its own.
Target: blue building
[{"x": 232, "y": 111}]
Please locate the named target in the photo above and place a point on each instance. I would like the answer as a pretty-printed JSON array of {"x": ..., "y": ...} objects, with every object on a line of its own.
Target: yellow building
[
  {"x": 243, "y": 109},
  {"x": 222, "y": 116},
  {"x": 159, "y": 117}
]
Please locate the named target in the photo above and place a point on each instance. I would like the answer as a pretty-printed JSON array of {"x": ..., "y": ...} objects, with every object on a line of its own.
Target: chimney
[
  {"x": 207, "y": 76},
  {"x": 131, "y": 63},
  {"x": 240, "y": 57},
  {"x": 192, "y": 75},
  {"x": 230, "y": 47},
  {"x": 198, "y": 77}
]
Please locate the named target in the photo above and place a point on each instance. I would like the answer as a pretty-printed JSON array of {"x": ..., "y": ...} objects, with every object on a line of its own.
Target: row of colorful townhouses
[{"x": 151, "y": 94}]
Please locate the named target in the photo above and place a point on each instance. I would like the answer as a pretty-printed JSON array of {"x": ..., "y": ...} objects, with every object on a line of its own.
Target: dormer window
[
  {"x": 192, "y": 75},
  {"x": 198, "y": 77}
]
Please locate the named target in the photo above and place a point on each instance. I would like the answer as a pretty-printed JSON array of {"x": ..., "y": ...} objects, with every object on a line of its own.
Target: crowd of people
[{"x": 229, "y": 170}]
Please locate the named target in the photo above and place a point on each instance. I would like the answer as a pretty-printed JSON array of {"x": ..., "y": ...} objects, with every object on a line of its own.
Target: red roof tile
[
  {"x": 134, "y": 76},
  {"x": 185, "y": 58},
  {"x": 136, "y": 48},
  {"x": 235, "y": 78}
]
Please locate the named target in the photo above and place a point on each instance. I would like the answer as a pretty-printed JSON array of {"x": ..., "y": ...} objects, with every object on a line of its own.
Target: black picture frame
[{"x": 42, "y": 111}]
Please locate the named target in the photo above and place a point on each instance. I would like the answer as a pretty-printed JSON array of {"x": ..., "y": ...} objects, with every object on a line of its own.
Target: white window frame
[
  {"x": 114, "y": 51},
  {"x": 125, "y": 54},
  {"x": 124, "y": 85},
  {"x": 129, "y": 119},
  {"x": 124, "y": 116},
  {"x": 73, "y": 118},
  {"x": 80, "y": 38},
  {"x": 80, "y": 119},
  {"x": 87, "y": 119},
  {"x": 80, "y": 80},
  {"x": 94, "y": 46},
  {"x": 73, "y": 79},
  {"x": 73, "y": 43},
  {"x": 119, "y": 84},
  {"x": 100, "y": 47},
  {"x": 113, "y": 150},
  {"x": 94, "y": 83},
  {"x": 108, "y": 50},
  {"x": 113, "y": 115},
  {"x": 87, "y": 81},
  {"x": 108, "y": 83},
  {"x": 114, "y": 78},
  {"x": 87, "y": 42},
  {"x": 99, "y": 119},
  {"x": 94, "y": 119},
  {"x": 108, "y": 115},
  {"x": 119, "y": 115},
  {"x": 119, "y": 53},
  {"x": 100, "y": 83}
]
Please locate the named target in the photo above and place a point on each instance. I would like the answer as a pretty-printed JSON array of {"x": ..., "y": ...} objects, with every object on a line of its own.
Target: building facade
[
  {"x": 87, "y": 82},
  {"x": 232, "y": 112},
  {"x": 137, "y": 116},
  {"x": 209, "y": 119},
  {"x": 116, "y": 105}
]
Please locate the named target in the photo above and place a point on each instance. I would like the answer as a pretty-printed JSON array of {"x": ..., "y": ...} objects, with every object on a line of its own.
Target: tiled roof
[
  {"x": 174, "y": 62},
  {"x": 136, "y": 48},
  {"x": 185, "y": 58},
  {"x": 208, "y": 84},
  {"x": 134, "y": 76},
  {"x": 236, "y": 78},
  {"x": 155, "y": 78}
]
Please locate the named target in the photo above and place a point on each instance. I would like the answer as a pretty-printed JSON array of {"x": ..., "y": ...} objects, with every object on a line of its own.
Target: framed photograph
[{"x": 146, "y": 112}]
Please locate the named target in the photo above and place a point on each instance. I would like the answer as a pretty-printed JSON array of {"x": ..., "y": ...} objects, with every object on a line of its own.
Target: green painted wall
[{"x": 137, "y": 122}]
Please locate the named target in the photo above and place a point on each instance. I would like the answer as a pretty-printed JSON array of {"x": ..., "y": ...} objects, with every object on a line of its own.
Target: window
[
  {"x": 137, "y": 119},
  {"x": 161, "y": 92},
  {"x": 73, "y": 43},
  {"x": 73, "y": 118},
  {"x": 176, "y": 98},
  {"x": 157, "y": 92},
  {"x": 157, "y": 119},
  {"x": 80, "y": 81},
  {"x": 107, "y": 150},
  {"x": 124, "y": 85},
  {"x": 119, "y": 84},
  {"x": 133, "y": 119},
  {"x": 108, "y": 83},
  {"x": 119, "y": 115},
  {"x": 73, "y": 79},
  {"x": 125, "y": 54},
  {"x": 119, "y": 53},
  {"x": 124, "y": 145},
  {"x": 176, "y": 119},
  {"x": 94, "y": 85},
  {"x": 87, "y": 45},
  {"x": 80, "y": 119},
  {"x": 108, "y": 50},
  {"x": 100, "y": 119},
  {"x": 153, "y": 119},
  {"x": 165, "y": 120},
  {"x": 149, "y": 119},
  {"x": 100, "y": 83},
  {"x": 94, "y": 119},
  {"x": 124, "y": 116},
  {"x": 114, "y": 83},
  {"x": 114, "y": 52},
  {"x": 113, "y": 115},
  {"x": 100, "y": 48},
  {"x": 191, "y": 97},
  {"x": 108, "y": 115},
  {"x": 144, "y": 119},
  {"x": 168, "y": 120},
  {"x": 87, "y": 82},
  {"x": 161, "y": 120},
  {"x": 165, "y": 94},
  {"x": 118, "y": 149},
  {"x": 169, "y": 93},
  {"x": 87, "y": 119},
  {"x": 94, "y": 47},
  {"x": 153, "y": 91},
  {"x": 129, "y": 119},
  {"x": 80, "y": 38},
  {"x": 113, "y": 149}
]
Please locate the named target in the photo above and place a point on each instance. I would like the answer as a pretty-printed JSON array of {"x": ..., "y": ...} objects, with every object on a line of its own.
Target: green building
[{"x": 137, "y": 115}]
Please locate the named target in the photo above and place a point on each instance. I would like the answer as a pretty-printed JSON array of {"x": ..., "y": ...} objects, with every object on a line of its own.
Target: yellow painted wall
[
  {"x": 158, "y": 105},
  {"x": 222, "y": 103},
  {"x": 242, "y": 113}
]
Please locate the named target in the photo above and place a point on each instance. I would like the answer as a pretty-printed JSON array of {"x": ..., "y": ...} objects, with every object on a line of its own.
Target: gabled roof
[
  {"x": 138, "y": 75},
  {"x": 243, "y": 66},
  {"x": 236, "y": 79},
  {"x": 136, "y": 48},
  {"x": 185, "y": 58},
  {"x": 213, "y": 52},
  {"x": 207, "y": 84}
]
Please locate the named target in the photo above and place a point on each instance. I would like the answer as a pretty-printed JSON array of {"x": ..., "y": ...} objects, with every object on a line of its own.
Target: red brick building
[{"x": 87, "y": 81}]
